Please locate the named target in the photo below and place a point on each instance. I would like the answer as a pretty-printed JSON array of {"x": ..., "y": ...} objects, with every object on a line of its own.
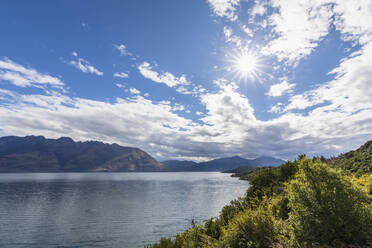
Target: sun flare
[{"x": 245, "y": 65}]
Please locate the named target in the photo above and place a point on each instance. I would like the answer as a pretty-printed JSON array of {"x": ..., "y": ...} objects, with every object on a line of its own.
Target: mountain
[
  {"x": 267, "y": 161},
  {"x": 222, "y": 164},
  {"x": 177, "y": 165},
  {"x": 241, "y": 169},
  {"x": 38, "y": 154}
]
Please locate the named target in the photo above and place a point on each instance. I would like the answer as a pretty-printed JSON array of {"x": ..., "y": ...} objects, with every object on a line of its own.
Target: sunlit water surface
[{"x": 107, "y": 209}]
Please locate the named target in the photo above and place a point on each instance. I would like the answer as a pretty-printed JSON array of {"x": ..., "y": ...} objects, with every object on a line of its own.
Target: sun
[{"x": 245, "y": 65}]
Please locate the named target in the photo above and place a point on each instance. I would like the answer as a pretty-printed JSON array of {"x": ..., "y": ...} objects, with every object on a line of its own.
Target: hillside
[
  {"x": 222, "y": 164},
  {"x": 38, "y": 154},
  {"x": 358, "y": 161},
  {"x": 247, "y": 172},
  {"x": 177, "y": 165}
]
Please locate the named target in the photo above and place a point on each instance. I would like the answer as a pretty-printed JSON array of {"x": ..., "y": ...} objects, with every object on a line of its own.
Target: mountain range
[
  {"x": 222, "y": 164},
  {"x": 39, "y": 154}
]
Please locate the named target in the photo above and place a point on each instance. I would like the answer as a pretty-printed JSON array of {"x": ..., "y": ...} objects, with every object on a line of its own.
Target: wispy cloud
[
  {"x": 280, "y": 89},
  {"x": 134, "y": 91},
  {"x": 121, "y": 75},
  {"x": 230, "y": 37},
  {"x": 299, "y": 26},
  {"x": 181, "y": 84},
  {"x": 225, "y": 8},
  {"x": 84, "y": 66},
  {"x": 354, "y": 20},
  {"x": 26, "y": 77},
  {"x": 122, "y": 49},
  {"x": 120, "y": 86},
  {"x": 166, "y": 78},
  {"x": 259, "y": 8}
]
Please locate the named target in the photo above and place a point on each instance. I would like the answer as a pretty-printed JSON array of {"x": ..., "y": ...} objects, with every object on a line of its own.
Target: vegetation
[
  {"x": 358, "y": 161},
  {"x": 302, "y": 203}
]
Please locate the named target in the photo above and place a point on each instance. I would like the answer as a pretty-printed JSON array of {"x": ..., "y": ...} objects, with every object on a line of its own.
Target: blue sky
[{"x": 190, "y": 79}]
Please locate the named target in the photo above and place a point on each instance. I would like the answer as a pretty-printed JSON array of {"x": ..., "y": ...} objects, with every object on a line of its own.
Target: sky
[{"x": 190, "y": 79}]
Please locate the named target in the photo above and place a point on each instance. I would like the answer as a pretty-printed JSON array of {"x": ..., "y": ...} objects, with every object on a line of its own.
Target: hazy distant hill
[
  {"x": 241, "y": 169},
  {"x": 38, "y": 154},
  {"x": 177, "y": 165},
  {"x": 222, "y": 164}
]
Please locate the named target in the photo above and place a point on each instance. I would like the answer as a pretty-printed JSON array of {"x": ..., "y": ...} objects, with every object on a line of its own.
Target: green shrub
[
  {"x": 325, "y": 206},
  {"x": 252, "y": 228}
]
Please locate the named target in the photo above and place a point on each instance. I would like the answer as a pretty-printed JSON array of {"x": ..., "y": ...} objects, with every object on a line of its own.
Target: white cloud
[
  {"x": 134, "y": 91},
  {"x": 166, "y": 78},
  {"x": 227, "y": 31},
  {"x": 258, "y": 8},
  {"x": 299, "y": 25},
  {"x": 120, "y": 86},
  {"x": 122, "y": 49},
  {"x": 225, "y": 8},
  {"x": 26, "y": 77},
  {"x": 181, "y": 84},
  {"x": 195, "y": 90},
  {"x": 230, "y": 37},
  {"x": 278, "y": 108},
  {"x": 354, "y": 19},
  {"x": 247, "y": 30},
  {"x": 228, "y": 114},
  {"x": 178, "y": 107},
  {"x": 280, "y": 89},
  {"x": 84, "y": 66},
  {"x": 74, "y": 54},
  {"x": 350, "y": 91},
  {"x": 121, "y": 75}
]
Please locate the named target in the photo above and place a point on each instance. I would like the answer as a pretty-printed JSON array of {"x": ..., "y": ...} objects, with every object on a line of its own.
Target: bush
[
  {"x": 252, "y": 228},
  {"x": 325, "y": 206}
]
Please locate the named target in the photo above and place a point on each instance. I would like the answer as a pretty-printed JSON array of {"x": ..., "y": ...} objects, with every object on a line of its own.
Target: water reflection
[{"x": 107, "y": 209}]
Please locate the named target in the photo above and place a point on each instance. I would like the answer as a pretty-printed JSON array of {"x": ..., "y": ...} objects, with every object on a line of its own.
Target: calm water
[{"x": 107, "y": 209}]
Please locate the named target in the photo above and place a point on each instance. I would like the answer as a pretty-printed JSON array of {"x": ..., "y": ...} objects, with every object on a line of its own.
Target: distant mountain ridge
[
  {"x": 222, "y": 164},
  {"x": 38, "y": 154},
  {"x": 176, "y": 165}
]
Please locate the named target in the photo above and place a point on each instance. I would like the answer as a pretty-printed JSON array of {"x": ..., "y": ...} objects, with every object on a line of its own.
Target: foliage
[
  {"x": 251, "y": 228},
  {"x": 326, "y": 206},
  {"x": 358, "y": 161}
]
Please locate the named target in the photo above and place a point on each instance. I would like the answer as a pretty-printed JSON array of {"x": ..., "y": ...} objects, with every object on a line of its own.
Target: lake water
[{"x": 107, "y": 209}]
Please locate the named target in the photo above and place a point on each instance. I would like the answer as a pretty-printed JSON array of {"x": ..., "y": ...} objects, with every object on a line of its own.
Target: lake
[{"x": 107, "y": 209}]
